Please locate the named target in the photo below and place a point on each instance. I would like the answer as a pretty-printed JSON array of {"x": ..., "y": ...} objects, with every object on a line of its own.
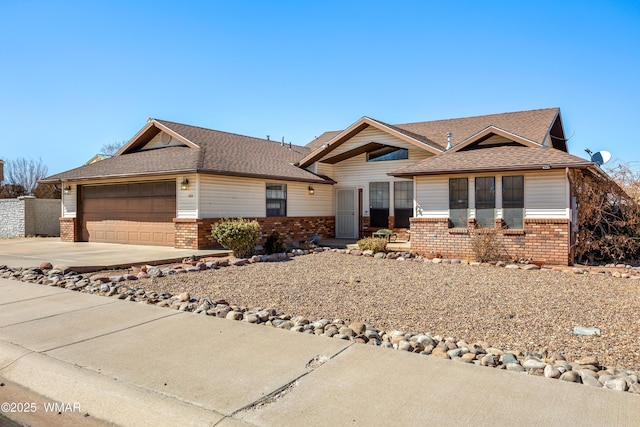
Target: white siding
[
  {"x": 231, "y": 197},
  {"x": 324, "y": 169},
  {"x": 187, "y": 200},
  {"x": 546, "y": 194},
  {"x": 432, "y": 196},
  {"x": 301, "y": 203},
  {"x": 69, "y": 202},
  {"x": 156, "y": 142},
  {"x": 356, "y": 172}
]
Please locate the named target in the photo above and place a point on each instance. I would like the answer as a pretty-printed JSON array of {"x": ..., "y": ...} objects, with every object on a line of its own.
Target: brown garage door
[{"x": 135, "y": 213}]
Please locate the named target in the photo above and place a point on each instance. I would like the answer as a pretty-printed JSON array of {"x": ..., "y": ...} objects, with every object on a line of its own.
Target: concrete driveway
[{"x": 85, "y": 256}]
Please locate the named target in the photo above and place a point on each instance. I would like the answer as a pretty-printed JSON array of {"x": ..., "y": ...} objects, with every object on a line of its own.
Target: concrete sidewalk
[
  {"x": 137, "y": 365},
  {"x": 89, "y": 256}
]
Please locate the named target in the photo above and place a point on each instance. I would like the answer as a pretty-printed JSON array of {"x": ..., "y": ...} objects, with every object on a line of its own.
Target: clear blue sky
[{"x": 75, "y": 75}]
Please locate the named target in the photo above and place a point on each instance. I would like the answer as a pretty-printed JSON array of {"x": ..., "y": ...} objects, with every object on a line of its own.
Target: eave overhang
[
  {"x": 536, "y": 167},
  {"x": 317, "y": 180}
]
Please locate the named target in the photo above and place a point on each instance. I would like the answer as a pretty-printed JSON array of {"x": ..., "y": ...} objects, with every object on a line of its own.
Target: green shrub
[
  {"x": 374, "y": 244},
  {"x": 239, "y": 235},
  {"x": 274, "y": 244}
]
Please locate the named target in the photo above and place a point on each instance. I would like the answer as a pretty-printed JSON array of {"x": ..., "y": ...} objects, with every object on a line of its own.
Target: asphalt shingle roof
[
  {"x": 531, "y": 124},
  {"x": 224, "y": 153},
  {"x": 491, "y": 159},
  {"x": 217, "y": 153}
]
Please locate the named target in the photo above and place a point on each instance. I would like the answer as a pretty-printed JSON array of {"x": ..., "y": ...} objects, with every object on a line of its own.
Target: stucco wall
[{"x": 26, "y": 216}]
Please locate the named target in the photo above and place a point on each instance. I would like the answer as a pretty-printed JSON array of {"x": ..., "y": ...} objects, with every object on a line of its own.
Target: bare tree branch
[
  {"x": 112, "y": 148},
  {"x": 608, "y": 215},
  {"x": 25, "y": 173}
]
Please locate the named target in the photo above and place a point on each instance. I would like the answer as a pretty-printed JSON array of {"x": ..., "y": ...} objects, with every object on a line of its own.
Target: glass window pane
[
  {"x": 379, "y": 195},
  {"x": 458, "y": 217},
  {"x": 485, "y": 192},
  {"x": 513, "y": 191},
  {"x": 388, "y": 153},
  {"x": 458, "y": 193},
  {"x": 402, "y": 203},
  {"x": 403, "y": 195},
  {"x": 513, "y": 201},
  {"x": 276, "y": 200},
  {"x": 458, "y": 202}
]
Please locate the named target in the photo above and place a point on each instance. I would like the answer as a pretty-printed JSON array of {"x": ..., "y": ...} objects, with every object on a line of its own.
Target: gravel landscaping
[
  {"x": 530, "y": 311},
  {"x": 521, "y": 318}
]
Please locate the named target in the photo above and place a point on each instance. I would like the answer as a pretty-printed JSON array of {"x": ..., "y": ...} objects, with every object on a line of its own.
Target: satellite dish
[{"x": 599, "y": 157}]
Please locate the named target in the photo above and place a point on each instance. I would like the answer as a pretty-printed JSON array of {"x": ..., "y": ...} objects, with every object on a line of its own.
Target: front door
[{"x": 346, "y": 214}]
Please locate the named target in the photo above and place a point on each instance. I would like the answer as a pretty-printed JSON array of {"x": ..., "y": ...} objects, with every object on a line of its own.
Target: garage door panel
[{"x": 137, "y": 213}]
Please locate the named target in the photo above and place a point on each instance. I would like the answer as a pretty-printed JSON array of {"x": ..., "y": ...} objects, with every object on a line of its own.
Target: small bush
[
  {"x": 239, "y": 235},
  {"x": 374, "y": 244},
  {"x": 274, "y": 244},
  {"x": 485, "y": 244}
]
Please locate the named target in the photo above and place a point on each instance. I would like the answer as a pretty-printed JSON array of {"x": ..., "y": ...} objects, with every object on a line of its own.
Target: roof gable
[
  {"x": 151, "y": 130},
  {"x": 337, "y": 139},
  {"x": 493, "y": 131}
]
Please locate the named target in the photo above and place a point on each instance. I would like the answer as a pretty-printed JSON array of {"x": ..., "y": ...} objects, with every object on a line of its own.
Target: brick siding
[
  {"x": 67, "y": 229},
  {"x": 196, "y": 233},
  {"x": 542, "y": 240}
]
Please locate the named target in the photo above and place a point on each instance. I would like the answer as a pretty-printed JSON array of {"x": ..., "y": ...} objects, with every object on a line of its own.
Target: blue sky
[{"x": 76, "y": 75}]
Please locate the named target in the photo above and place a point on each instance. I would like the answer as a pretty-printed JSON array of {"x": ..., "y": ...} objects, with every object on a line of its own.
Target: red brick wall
[
  {"x": 196, "y": 233},
  {"x": 299, "y": 228},
  {"x": 542, "y": 240},
  {"x": 187, "y": 233},
  {"x": 67, "y": 229}
]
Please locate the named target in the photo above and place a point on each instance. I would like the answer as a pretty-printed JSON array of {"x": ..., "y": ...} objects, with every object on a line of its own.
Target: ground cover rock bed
[{"x": 519, "y": 317}]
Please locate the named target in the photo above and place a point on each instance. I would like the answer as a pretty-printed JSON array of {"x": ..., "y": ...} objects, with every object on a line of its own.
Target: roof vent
[
  {"x": 282, "y": 143},
  {"x": 268, "y": 137},
  {"x": 448, "y": 140}
]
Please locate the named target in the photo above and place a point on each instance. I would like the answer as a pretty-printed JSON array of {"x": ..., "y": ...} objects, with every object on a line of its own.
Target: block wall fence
[{"x": 28, "y": 216}]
